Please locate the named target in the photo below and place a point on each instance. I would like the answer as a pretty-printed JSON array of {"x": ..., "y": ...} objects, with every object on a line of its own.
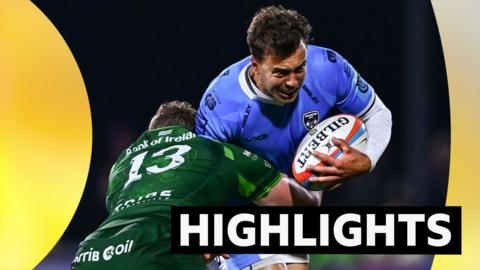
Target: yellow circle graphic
[
  {"x": 459, "y": 24},
  {"x": 45, "y": 135}
]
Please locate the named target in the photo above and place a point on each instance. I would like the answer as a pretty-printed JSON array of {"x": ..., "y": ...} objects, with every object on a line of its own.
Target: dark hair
[
  {"x": 174, "y": 113},
  {"x": 277, "y": 31}
]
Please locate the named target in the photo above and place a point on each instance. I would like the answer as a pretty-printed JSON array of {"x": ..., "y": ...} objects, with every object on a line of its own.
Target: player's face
[{"x": 281, "y": 78}]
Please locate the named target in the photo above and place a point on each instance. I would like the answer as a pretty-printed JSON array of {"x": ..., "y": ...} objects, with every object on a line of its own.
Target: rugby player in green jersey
[{"x": 168, "y": 165}]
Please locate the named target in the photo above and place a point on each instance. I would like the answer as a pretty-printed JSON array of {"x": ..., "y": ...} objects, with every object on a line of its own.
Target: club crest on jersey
[{"x": 310, "y": 119}]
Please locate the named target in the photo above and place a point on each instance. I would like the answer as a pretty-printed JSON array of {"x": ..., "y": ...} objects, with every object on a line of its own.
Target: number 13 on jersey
[{"x": 176, "y": 159}]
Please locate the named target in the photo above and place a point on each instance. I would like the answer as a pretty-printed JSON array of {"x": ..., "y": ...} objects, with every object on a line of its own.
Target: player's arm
[
  {"x": 265, "y": 185},
  {"x": 357, "y": 97},
  {"x": 378, "y": 120},
  {"x": 288, "y": 192}
]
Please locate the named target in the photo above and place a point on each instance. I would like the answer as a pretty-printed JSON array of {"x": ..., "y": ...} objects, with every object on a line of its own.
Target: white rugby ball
[{"x": 342, "y": 126}]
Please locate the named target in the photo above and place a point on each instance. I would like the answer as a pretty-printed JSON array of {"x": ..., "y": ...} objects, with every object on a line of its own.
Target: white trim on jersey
[{"x": 243, "y": 82}]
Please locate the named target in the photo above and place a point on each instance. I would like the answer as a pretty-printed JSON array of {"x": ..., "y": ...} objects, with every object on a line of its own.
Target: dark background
[{"x": 135, "y": 55}]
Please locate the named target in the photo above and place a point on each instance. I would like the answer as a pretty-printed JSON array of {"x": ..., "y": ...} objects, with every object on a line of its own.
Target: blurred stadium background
[{"x": 135, "y": 55}]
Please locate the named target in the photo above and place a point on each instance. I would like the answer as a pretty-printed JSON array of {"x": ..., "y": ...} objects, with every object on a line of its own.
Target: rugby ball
[{"x": 342, "y": 126}]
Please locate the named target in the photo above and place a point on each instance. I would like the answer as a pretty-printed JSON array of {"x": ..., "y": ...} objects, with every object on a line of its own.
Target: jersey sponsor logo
[
  {"x": 210, "y": 102},
  {"x": 331, "y": 56},
  {"x": 267, "y": 164},
  {"x": 150, "y": 197},
  {"x": 165, "y": 139},
  {"x": 245, "y": 115},
  {"x": 225, "y": 73},
  {"x": 361, "y": 84},
  {"x": 310, "y": 119},
  {"x": 201, "y": 123},
  {"x": 346, "y": 69},
  {"x": 257, "y": 138},
  {"x": 138, "y": 147},
  {"x": 247, "y": 153},
  {"x": 119, "y": 249},
  {"x": 107, "y": 254},
  {"x": 250, "y": 155},
  {"x": 310, "y": 94}
]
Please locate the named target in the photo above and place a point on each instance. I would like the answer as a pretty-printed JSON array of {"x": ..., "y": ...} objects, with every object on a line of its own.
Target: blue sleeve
[
  {"x": 216, "y": 117},
  {"x": 354, "y": 94}
]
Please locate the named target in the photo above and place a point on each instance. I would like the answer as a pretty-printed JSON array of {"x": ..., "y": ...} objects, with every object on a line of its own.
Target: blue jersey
[{"x": 233, "y": 109}]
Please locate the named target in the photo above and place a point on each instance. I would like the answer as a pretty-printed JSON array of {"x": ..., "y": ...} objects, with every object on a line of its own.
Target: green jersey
[
  {"x": 171, "y": 166},
  {"x": 165, "y": 167}
]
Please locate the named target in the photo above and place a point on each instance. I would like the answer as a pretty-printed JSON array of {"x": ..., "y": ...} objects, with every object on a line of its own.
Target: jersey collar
[{"x": 251, "y": 90}]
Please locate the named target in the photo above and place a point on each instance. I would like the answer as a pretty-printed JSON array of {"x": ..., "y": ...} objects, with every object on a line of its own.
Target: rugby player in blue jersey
[{"x": 268, "y": 101}]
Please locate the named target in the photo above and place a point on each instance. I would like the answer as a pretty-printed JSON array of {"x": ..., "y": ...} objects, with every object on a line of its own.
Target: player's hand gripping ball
[{"x": 342, "y": 126}]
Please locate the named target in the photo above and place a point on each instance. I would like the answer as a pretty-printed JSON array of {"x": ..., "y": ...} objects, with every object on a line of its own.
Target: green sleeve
[{"x": 256, "y": 176}]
